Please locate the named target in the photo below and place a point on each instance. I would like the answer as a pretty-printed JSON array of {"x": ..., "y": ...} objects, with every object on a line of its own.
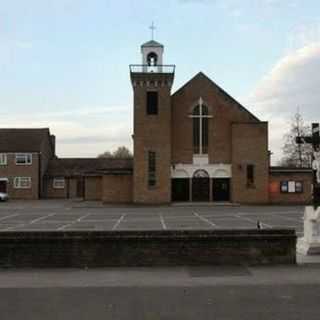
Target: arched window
[
  {"x": 200, "y": 117},
  {"x": 152, "y": 59}
]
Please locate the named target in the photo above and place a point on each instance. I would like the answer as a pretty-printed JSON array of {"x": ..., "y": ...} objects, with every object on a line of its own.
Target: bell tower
[{"x": 152, "y": 82}]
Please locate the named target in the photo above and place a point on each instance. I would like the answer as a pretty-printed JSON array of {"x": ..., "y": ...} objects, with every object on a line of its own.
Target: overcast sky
[{"x": 64, "y": 63}]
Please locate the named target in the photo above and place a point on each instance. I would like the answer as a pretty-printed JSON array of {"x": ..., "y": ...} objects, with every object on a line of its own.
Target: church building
[{"x": 197, "y": 144}]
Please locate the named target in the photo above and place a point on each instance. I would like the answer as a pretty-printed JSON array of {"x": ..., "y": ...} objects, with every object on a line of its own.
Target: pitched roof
[
  {"x": 68, "y": 167},
  {"x": 152, "y": 43},
  {"x": 201, "y": 76},
  {"x": 22, "y": 140}
]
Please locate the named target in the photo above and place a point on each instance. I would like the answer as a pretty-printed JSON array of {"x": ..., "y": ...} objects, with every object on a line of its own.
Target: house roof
[
  {"x": 202, "y": 77},
  {"x": 68, "y": 167},
  {"x": 22, "y": 140},
  {"x": 279, "y": 169},
  {"x": 152, "y": 43}
]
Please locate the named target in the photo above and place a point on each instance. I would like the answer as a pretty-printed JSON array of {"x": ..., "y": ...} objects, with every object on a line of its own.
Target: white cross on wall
[{"x": 200, "y": 117}]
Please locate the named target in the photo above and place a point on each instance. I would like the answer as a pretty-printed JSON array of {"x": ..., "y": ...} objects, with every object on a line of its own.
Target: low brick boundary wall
[{"x": 146, "y": 248}]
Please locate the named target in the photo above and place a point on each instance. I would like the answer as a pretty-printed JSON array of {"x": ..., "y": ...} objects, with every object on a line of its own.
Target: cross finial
[{"x": 152, "y": 28}]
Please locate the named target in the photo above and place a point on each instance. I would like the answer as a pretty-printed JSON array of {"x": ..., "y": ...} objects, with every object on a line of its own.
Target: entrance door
[
  {"x": 201, "y": 186},
  {"x": 80, "y": 188},
  {"x": 3, "y": 186},
  {"x": 180, "y": 189},
  {"x": 221, "y": 189}
]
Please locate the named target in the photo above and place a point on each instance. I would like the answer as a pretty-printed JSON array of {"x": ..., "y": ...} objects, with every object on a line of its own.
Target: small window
[
  {"x": 23, "y": 158},
  {"x": 284, "y": 188},
  {"x": 299, "y": 186},
  {"x": 58, "y": 183},
  {"x": 152, "y": 102},
  {"x": 22, "y": 182},
  {"x": 3, "y": 159},
  {"x": 151, "y": 169},
  {"x": 250, "y": 175}
]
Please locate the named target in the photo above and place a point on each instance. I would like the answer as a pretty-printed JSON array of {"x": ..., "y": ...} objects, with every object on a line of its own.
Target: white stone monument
[{"x": 310, "y": 243}]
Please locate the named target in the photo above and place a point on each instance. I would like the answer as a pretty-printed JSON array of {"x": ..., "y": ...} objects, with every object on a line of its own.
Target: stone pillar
[{"x": 310, "y": 243}]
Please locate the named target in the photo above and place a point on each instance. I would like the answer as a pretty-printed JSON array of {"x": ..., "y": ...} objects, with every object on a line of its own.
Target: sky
[{"x": 64, "y": 63}]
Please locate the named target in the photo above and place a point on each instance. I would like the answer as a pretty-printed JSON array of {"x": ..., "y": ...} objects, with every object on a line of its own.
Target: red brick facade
[{"x": 198, "y": 144}]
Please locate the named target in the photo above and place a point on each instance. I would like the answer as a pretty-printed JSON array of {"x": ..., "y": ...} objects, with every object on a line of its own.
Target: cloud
[
  {"x": 85, "y": 132},
  {"x": 24, "y": 44},
  {"x": 293, "y": 82}
]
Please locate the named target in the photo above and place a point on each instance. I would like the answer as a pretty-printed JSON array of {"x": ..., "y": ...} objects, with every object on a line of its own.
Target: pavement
[
  {"x": 78, "y": 215},
  {"x": 224, "y": 293},
  {"x": 217, "y": 292}
]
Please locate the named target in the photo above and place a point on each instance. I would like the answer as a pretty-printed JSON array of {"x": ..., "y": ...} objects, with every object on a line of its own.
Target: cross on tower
[
  {"x": 314, "y": 139},
  {"x": 152, "y": 28}
]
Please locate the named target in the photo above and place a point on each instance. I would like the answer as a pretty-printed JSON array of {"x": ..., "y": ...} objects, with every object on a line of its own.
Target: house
[
  {"x": 197, "y": 144},
  {"x": 24, "y": 158}
]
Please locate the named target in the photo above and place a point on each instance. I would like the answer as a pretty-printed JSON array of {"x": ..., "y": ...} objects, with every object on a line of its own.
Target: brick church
[{"x": 197, "y": 144}]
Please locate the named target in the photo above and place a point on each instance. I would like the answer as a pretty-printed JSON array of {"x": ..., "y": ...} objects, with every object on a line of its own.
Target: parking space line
[
  {"x": 254, "y": 221},
  {"x": 83, "y": 217},
  {"x": 73, "y": 222},
  {"x": 9, "y": 216},
  {"x": 118, "y": 222},
  {"x": 41, "y": 218},
  {"x": 162, "y": 222},
  {"x": 204, "y": 219}
]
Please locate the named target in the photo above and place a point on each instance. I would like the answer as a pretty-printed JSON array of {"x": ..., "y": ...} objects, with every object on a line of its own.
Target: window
[
  {"x": 22, "y": 182},
  {"x": 151, "y": 169},
  {"x": 58, "y": 183},
  {"x": 152, "y": 59},
  {"x": 250, "y": 175},
  {"x": 200, "y": 128},
  {"x": 284, "y": 188},
  {"x": 291, "y": 186},
  {"x": 3, "y": 159},
  {"x": 152, "y": 102},
  {"x": 23, "y": 158}
]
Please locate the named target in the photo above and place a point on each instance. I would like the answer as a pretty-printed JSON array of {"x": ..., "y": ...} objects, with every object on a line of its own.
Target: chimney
[{"x": 53, "y": 144}]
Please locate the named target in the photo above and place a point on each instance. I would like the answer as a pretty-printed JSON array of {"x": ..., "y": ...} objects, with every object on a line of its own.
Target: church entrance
[
  {"x": 221, "y": 189},
  {"x": 180, "y": 189},
  {"x": 201, "y": 186}
]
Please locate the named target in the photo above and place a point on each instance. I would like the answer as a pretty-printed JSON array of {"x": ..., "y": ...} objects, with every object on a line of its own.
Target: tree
[
  {"x": 120, "y": 153},
  {"x": 294, "y": 154}
]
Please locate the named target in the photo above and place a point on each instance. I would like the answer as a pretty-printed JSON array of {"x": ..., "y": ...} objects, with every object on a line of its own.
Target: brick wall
[
  {"x": 223, "y": 110},
  {"x": 250, "y": 146},
  {"x": 146, "y": 248},
  {"x": 93, "y": 188},
  {"x": 276, "y": 197},
  {"x": 152, "y": 133},
  {"x": 53, "y": 193},
  {"x": 11, "y": 170},
  {"x": 117, "y": 188}
]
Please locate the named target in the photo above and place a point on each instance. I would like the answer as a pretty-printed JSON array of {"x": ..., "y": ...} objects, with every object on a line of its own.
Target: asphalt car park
[{"x": 64, "y": 215}]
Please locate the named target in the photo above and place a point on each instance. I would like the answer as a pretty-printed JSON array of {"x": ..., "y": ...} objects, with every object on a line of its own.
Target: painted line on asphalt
[
  {"x": 73, "y": 222},
  {"x": 118, "y": 222},
  {"x": 9, "y": 216},
  {"x": 83, "y": 217},
  {"x": 254, "y": 221},
  {"x": 162, "y": 222},
  {"x": 204, "y": 219},
  {"x": 41, "y": 218}
]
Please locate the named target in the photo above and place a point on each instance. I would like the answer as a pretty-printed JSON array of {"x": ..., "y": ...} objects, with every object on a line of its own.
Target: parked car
[{"x": 4, "y": 196}]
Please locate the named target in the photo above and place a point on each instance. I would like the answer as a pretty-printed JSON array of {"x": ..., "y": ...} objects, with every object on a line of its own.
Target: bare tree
[
  {"x": 294, "y": 154},
  {"x": 121, "y": 153}
]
